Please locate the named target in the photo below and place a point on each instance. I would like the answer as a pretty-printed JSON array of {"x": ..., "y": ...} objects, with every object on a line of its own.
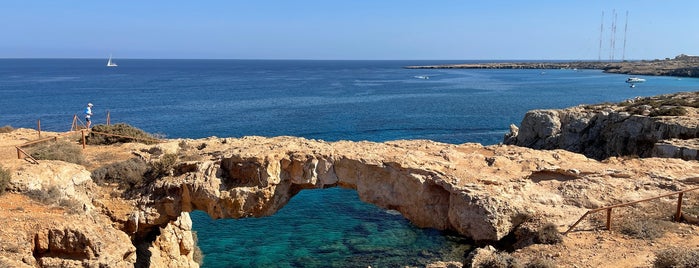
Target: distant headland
[{"x": 682, "y": 65}]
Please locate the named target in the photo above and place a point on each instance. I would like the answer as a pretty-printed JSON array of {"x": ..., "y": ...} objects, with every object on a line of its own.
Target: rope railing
[{"x": 678, "y": 212}]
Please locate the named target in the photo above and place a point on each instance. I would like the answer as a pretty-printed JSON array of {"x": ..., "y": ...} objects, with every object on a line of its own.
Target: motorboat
[{"x": 632, "y": 80}]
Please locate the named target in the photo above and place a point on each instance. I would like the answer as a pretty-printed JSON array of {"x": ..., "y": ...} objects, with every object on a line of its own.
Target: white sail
[{"x": 110, "y": 63}]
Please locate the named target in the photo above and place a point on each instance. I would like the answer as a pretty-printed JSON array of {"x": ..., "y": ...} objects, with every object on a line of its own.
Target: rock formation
[
  {"x": 663, "y": 126},
  {"x": 682, "y": 65},
  {"x": 481, "y": 192}
]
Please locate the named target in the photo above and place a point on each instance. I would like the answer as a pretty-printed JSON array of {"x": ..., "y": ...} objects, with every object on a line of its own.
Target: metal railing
[{"x": 678, "y": 213}]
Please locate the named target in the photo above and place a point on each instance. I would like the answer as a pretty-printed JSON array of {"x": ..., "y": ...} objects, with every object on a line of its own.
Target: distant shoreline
[{"x": 682, "y": 66}]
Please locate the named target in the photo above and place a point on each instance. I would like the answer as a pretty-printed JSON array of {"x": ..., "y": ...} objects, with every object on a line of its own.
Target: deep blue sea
[{"x": 328, "y": 100}]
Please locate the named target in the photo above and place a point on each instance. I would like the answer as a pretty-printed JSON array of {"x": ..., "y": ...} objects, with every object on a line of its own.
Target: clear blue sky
[{"x": 351, "y": 29}]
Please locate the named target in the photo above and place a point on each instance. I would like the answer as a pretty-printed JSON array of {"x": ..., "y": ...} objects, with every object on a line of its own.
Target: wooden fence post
[
  {"x": 38, "y": 127},
  {"x": 609, "y": 219},
  {"x": 74, "y": 125},
  {"x": 678, "y": 215},
  {"x": 108, "y": 119},
  {"x": 83, "y": 134}
]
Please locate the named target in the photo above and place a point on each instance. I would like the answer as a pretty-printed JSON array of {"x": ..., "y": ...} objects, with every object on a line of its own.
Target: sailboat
[{"x": 110, "y": 63}]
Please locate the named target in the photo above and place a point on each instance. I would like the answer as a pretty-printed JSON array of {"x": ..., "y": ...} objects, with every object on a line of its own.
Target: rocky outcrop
[
  {"x": 629, "y": 128},
  {"x": 481, "y": 192},
  {"x": 682, "y": 65}
]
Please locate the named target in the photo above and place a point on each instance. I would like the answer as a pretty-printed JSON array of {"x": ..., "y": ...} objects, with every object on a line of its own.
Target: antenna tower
[
  {"x": 612, "y": 41},
  {"x": 626, "y": 25},
  {"x": 601, "y": 30}
]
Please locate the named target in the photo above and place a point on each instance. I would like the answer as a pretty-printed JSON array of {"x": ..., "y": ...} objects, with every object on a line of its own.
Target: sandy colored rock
[{"x": 481, "y": 192}]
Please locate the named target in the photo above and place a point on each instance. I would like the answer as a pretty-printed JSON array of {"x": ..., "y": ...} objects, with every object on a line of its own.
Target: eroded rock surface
[
  {"x": 663, "y": 126},
  {"x": 481, "y": 192}
]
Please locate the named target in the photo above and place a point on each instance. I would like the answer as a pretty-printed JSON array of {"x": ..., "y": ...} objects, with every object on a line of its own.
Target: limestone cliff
[
  {"x": 481, "y": 192},
  {"x": 663, "y": 126}
]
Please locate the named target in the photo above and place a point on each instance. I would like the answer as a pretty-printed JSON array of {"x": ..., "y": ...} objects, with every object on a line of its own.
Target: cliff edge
[
  {"x": 486, "y": 193},
  {"x": 660, "y": 126}
]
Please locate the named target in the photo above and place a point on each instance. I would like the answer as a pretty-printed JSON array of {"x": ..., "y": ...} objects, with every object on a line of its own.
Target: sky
[{"x": 348, "y": 30}]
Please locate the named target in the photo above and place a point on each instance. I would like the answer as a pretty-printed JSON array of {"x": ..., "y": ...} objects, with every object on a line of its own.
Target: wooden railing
[
  {"x": 678, "y": 213},
  {"x": 74, "y": 129}
]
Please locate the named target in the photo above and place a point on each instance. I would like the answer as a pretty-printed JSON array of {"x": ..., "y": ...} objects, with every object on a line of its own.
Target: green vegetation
[
  {"x": 123, "y": 130},
  {"x": 60, "y": 150},
  {"x": 128, "y": 174},
  {"x": 6, "y": 129},
  {"x": 135, "y": 172},
  {"x": 674, "y": 111},
  {"x": 4, "y": 179},
  {"x": 663, "y": 105},
  {"x": 676, "y": 258},
  {"x": 548, "y": 234},
  {"x": 159, "y": 169}
]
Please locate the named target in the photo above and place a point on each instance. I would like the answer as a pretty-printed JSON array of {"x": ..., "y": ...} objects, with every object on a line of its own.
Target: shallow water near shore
[{"x": 329, "y": 100}]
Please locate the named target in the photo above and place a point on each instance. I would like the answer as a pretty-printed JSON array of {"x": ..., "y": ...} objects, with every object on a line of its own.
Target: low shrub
[
  {"x": 161, "y": 168},
  {"x": 674, "y": 111},
  {"x": 127, "y": 173},
  {"x": 120, "y": 129},
  {"x": 676, "y": 258},
  {"x": 548, "y": 234},
  {"x": 6, "y": 129},
  {"x": 642, "y": 228},
  {"x": 71, "y": 205},
  {"x": 60, "y": 150},
  {"x": 541, "y": 263},
  {"x": 500, "y": 260},
  {"x": 47, "y": 196},
  {"x": 5, "y": 177},
  {"x": 135, "y": 172}
]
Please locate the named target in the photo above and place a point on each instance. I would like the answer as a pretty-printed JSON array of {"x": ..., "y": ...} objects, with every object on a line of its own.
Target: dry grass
[
  {"x": 6, "y": 129},
  {"x": 60, "y": 150},
  {"x": 5, "y": 177},
  {"x": 48, "y": 196},
  {"x": 548, "y": 234},
  {"x": 676, "y": 258}
]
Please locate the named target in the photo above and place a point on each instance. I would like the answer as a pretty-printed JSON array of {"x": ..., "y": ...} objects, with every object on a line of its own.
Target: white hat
[{"x": 89, "y": 104}]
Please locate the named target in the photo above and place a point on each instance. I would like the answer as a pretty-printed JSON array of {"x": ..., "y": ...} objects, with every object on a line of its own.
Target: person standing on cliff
[{"x": 88, "y": 114}]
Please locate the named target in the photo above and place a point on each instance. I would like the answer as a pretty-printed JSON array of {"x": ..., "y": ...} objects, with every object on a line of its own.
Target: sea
[{"x": 327, "y": 100}]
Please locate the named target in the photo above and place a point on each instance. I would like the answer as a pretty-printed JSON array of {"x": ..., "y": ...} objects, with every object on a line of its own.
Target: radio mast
[
  {"x": 612, "y": 43},
  {"x": 626, "y": 25},
  {"x": 601, "y": 30}
]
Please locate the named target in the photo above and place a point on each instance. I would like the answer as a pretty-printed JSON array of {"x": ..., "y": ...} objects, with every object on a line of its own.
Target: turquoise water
[{"x": 329, "y": 100}]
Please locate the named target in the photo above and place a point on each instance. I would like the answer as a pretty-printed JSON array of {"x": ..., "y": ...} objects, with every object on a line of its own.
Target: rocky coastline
[
  {"x": 680, "y": 66},
  {"x": 659, "y": 126},
  {"x": 585, "y": 157}
]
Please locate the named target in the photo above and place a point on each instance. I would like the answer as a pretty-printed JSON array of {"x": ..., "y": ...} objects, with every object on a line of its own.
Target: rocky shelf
[
  {"x": 682, "y": 66},
  {"x": 490, "y": 194},
  {"x": 659, "y": 126}
]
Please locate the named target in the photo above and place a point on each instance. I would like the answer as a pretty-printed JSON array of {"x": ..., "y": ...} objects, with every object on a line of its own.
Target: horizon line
[{"x": 302, "y": 59}]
